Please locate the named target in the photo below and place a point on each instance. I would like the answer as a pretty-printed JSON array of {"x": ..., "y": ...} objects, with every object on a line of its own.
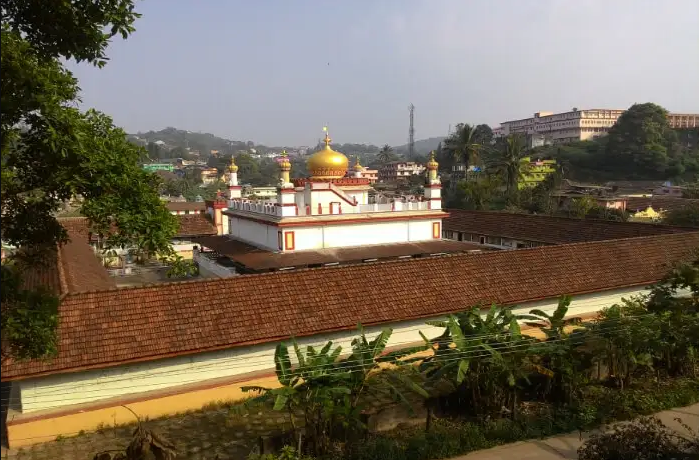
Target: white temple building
[
  {"x": 330, "y": 210},
  {"x": 327, "y": 212}
]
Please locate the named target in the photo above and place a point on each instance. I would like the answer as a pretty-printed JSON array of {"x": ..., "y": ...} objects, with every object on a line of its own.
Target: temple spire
[{"x": 285, "y": 169}]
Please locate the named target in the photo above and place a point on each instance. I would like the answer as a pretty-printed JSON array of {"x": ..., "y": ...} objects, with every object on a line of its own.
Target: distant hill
[
  {"x": 423, "y": 145},
  {"x": 202, "y": 142}
]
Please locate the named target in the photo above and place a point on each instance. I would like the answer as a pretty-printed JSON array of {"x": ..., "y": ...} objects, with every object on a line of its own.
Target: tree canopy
[
  {"x": 640, "y": 146},
  {"x": 52, "y": 151}
]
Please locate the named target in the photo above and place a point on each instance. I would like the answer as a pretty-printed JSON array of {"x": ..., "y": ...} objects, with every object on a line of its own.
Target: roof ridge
[
  {"x": 562, "y": 218},
  {"x": 552, "y": 248},
  {"x": 64, "y": 290}
]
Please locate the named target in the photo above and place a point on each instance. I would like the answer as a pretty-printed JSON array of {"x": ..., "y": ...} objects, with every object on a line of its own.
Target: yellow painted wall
[
  {"x": 78, "y": 392},
  {"x": 33, "y": 432}
]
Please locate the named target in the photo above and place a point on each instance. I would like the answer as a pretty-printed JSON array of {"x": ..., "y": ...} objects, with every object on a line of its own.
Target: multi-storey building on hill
[{"x": 577, "y": 125}]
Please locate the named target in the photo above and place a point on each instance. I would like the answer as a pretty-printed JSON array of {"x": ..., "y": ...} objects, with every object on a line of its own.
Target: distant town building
[
  {"x": 683, "y": 120},
  {"x": 535, "y": 172},
  {"x": 158, "y": 167},
  {"x": 259, "y": 192},
  {"x": 209, "y": 176},
  {"x": 545, "y": 128},
  {"x": 400, "y": 170}
]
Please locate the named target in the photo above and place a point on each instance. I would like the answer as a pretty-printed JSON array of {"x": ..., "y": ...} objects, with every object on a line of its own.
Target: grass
[{"x": 599, "y": 405}]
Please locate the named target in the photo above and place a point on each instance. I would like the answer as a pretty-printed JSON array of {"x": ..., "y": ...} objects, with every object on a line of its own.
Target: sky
[{"x": 276, "y": 71}]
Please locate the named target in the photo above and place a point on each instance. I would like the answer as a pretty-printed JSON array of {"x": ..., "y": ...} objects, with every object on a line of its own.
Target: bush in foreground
[{"x": 644, "y": 439}]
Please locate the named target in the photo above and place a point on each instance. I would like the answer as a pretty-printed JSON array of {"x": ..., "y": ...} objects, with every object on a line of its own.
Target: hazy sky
[{"x": 275, "y": 71}]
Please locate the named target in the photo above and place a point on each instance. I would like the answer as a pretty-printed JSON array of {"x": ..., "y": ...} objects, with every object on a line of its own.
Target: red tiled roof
[
  {"x": 548, "y": 229},
  {"x": 195, "y": 225},
  {"x": 108, "y": 328},
  {"x": 189, "y": 225},
  {"x": 186, "y": 206},
  {"x": 255, "y": 258},
  {"x": 73, "y": 267},
  {"x": 659, "y": 203}
]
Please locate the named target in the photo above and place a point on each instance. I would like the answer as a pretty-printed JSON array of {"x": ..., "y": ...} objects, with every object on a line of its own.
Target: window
[
  {"x": 436, "y": 230},
  {"x": 494, "y": 240},
  {"x": 289, "y": 243}
]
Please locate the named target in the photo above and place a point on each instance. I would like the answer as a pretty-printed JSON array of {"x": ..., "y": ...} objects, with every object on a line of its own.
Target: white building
[{"x": 329, "y": 210}]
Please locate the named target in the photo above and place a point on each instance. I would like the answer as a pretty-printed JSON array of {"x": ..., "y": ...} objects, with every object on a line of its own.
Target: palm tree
[
  {"x": 386, "y": 154},
  {"x": 463, "y": 145},
  {"x": 508, "y": 161}
]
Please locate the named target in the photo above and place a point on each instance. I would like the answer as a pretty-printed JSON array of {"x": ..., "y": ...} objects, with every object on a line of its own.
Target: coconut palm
[
  {"x": 386, "y": 154},
  {"x": 463, "y": 145},
  {"x": 509, "y": 161}
]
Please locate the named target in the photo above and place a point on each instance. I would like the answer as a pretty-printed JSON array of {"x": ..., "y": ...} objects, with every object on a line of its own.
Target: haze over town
[
  {"x": 275, "y": 72},
  {"x": 304, "y": 230}
]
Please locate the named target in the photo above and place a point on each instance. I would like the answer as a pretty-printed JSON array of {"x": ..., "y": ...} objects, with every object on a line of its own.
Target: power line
[
  {"x": 266, "y": 361},
  {"x": 470, "y": 352}
]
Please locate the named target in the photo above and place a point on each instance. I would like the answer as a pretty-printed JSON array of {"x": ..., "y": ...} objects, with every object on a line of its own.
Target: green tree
[
  {"x": 604, "y": 213},
  {"x": 483, "y": 134},
  {"x": 154, "y": 152},
  {"x": 478, "y": 193},
  {"x": 52, "y": 152},
  {"x": 508, "y": 161},
  {"x": 466, "y": 144},
  {"x": 642, "y": 142},
  {"x": 386, "y": 154},
  {"x": 687, "y": 216}
]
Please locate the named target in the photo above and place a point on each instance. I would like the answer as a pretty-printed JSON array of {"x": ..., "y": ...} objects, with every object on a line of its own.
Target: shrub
[
  {"x": 287, "y": 453},
  {"x": 644, "y": 439}
]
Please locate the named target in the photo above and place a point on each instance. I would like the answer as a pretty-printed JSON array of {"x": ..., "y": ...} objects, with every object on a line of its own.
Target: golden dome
[
  {"x": 358, "y": 167},
  {"x": 327, "y": 163}
]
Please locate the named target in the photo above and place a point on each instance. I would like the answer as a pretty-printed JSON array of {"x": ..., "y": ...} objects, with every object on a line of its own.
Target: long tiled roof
[
  {"x": 257, "y": 259},
  {"x": 186, "y": 205},
  {"x": 195, "y": 225},
  {"x": 189, "y": 225},
  {"x": 659, "y": 203},
  {"x": 107, "y": 328},
  {"x": 73, "y": 267},
  {"x": 548, "y": 229}
]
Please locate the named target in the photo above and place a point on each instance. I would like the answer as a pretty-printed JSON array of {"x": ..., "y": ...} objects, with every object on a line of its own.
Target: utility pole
[{"x": 411, "y": 132}]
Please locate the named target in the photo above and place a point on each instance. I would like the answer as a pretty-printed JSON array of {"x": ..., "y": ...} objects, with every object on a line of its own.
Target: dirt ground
[{"x": 199, "y": 435}]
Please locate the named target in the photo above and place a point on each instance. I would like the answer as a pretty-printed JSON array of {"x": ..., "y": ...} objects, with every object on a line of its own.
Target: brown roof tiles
[
  {"x": 548, "y": 229},
  {"x": 257, "y": 259},
  {"x": 659, "y": 203},
  {"x": 195, "y": 225},
  {"x": 73, "y": 267},
  {"x": 107, "y": 328},
  {"x": 186, "y": 206}
]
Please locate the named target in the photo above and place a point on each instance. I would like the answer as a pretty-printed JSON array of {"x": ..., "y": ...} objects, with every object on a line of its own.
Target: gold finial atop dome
[
  {"x": 327, "y": 163},
  {"x": 432, "y": 167},
  {"x": 432, "y": 163},
  {"x": 232, "y": 167},
  {"x": 358, "y": 167},
  {"x": 284, "y": 163}
]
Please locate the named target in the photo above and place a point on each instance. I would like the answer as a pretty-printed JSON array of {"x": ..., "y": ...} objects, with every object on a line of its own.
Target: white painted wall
[
  {"x": 362, "y": 196},
  {"x": 307, "y": 237},
  {"x": 337, "y": 236},
  {"x": 255, "y": 233},
  {"x": 210, "y": 269},
  {"x": 64, "y": 390}
]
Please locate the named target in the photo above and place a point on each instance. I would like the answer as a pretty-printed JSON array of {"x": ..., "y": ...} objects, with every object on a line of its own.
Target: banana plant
[
  {"x": 474, "y": 352},
  {"x": 554, "y": 325}
]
